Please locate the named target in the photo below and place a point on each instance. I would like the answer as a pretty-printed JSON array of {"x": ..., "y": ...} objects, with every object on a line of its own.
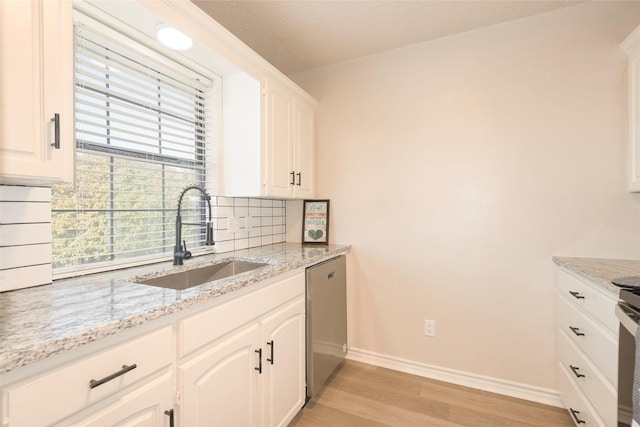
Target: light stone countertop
[
  {"x": 38, "y": 322},
  {"x": 601, "y": 270}
]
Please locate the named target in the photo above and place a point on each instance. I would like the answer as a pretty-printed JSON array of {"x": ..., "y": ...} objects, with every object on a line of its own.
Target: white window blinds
[{"x": 141, "y": 132}]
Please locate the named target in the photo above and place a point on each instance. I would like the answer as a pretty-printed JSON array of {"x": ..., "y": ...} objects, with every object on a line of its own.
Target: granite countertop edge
[
  {"x": 26, "y": 339},
  {"x": 600, "y": 271}
]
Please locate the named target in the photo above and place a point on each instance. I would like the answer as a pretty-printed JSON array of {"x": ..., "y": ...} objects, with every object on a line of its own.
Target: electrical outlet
[
  {"x": 234, "y": 224},
  {"x": 430, "y": 328}
]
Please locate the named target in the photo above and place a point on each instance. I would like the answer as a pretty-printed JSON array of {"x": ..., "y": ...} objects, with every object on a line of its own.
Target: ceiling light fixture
[{"x": 173, "y": 38}]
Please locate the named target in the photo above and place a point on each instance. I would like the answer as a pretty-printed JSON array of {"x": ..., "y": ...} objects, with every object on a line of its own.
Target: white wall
[{"x": 457, "y": 168}]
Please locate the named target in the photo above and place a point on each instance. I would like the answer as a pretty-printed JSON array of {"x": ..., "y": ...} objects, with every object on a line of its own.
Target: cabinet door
[
  {"x": 220, "y": 386},
  {"x": 634, "y": 118},
  {"x": 283, "y": 341},
  {"x": 279, "y": 167},
  {"x": 303, "y": 150},
  {"x": 36, "y": 83},
  {"x": 143, "y": 407}
]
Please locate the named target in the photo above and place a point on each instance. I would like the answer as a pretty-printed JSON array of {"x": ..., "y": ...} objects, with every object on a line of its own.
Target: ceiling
[{"x": 297, "y": 36}]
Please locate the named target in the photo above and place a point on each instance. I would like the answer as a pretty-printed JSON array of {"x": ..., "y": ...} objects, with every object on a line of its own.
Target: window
[{"x": 142, "y": 127}]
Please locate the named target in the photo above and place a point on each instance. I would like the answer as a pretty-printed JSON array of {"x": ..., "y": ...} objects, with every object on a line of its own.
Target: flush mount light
[{"x": 173, "y": 38}]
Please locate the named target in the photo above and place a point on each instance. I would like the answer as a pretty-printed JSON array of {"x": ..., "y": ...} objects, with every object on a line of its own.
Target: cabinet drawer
[
  {"x": 597, "y": 343},
  {"x": 575, "y": 401},
  {"x": 213, "y": 323},
  {"x": 595, "y": 387},
  {"x": 47, "y": 398},
  {"x": 594, "y": 301}
]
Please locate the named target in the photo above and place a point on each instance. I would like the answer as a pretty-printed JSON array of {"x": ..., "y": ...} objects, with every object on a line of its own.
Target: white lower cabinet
[
  {"x": 150, "y": 405},
  {"x": 283, "y": 385},
  {"x": 587, "y": 372},
  {"x": 236, "y": 361},
  {"x": 220, "y": 387},
  {"x": 35, "y": 397},
  {"x": 254, "y": 375}
]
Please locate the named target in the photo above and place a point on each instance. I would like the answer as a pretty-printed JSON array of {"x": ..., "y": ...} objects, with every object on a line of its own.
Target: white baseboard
[{"x": 494, "y": 385}]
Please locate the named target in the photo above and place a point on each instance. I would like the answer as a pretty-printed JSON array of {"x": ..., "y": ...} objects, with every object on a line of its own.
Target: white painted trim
[{"x": 495, "y": 385}]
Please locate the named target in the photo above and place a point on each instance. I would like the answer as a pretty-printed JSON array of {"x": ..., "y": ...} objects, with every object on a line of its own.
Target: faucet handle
[{"x": 187, "y": 254}]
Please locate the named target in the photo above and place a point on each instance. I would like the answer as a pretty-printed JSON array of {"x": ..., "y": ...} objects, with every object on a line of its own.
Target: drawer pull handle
[
  {"x": 169, "y": 413},
  {"x": 576, "y": 331},
  {"x": 270, "y": 344},
  {"x": 124, "y": 370},
  {"x": 575, "y": 414},
  {"x": 576, "y": 294},
  {"x": 259, "y": 367},
  {"x": 299, "y": 179},
  {"x": 293, "y": 177},
  {"x": 575, "y": 370}
]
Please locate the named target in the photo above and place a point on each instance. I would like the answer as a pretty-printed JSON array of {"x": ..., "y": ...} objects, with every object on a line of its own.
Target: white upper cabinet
[
  {"x": 268, "y": 138},
  {"x": 303, "y": 149},
  {"x": 36, "y": 92},
  {"x": 632, "y": 46},
  {"x": 289, "y": 143}
]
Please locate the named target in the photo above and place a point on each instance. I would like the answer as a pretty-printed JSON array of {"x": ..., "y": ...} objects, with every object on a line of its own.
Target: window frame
[{"x": 213, "y": 106}]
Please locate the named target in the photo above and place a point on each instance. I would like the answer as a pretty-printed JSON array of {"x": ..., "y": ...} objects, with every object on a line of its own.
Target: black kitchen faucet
[{"x": 180, "y": 251}]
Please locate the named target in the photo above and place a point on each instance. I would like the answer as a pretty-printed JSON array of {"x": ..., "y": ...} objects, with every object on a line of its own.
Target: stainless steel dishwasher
[{"x": 326, "y": 321}]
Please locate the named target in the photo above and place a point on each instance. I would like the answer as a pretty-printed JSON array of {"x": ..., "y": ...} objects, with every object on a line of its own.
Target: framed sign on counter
[{"x": 315, "y": 222}]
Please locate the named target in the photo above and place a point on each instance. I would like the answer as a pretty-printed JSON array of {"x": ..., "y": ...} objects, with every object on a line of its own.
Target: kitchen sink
[{"x": 198, "y": 276}]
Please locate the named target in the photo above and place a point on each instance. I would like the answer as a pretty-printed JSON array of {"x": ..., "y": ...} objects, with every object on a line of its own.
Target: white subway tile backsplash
[
  {"x": 226, "y": 246},
  {"x": 255, "y": 217},
  {"x": 224, "y": 201},
  {"x": 241, "y": 211},
  {"x": 25, "y": 231},
  {"x": 241, "y": 244},
  {"x": 255, "y": 211},
  {"x": 240, "y": 201}
]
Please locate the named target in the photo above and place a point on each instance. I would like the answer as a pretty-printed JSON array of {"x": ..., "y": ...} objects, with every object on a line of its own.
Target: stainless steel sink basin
[{"x": 198, "y": 276}]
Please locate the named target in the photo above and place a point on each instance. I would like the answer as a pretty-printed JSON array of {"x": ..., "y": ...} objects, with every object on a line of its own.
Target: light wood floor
[{"x": 364, "y": 395}]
